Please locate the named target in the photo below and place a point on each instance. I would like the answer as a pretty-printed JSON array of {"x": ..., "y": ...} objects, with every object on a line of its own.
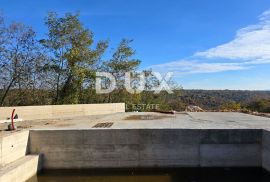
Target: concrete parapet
[
  {"x": 13, "y": 147},
  {"x": 20, "y": 170},
  {"x": 60, "y": 111}
]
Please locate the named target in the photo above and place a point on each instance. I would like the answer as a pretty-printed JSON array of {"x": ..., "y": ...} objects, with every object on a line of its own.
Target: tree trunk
[{"x": 6, "y": 92}]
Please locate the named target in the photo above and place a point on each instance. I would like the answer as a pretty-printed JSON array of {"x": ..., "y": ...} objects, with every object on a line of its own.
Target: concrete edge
[{"x": 21, "y": 170}]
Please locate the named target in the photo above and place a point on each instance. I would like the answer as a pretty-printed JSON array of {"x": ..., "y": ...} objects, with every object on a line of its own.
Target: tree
[
  {"x": 19, "y": 56},
  {"x": 62, "y": 70},
  {"x": 122, "y": 61},
  {"x": 72, "y": 61},
  {"x": 2, "y": 35}
]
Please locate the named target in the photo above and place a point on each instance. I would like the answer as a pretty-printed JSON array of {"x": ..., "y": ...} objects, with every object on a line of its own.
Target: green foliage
[
  {"x": 65, "y": 73},
  {"x": 230, "y": 106},
  {"x": 262, "y": 105},
  {"x": 122, "y": 61},
  {"x": 73, "y": 61}
]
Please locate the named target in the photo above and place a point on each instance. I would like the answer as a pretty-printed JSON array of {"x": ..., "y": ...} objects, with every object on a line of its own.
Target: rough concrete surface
[
  {"x": 20, "y": 170},
  {"x": 119, "y": 148},
  {"x": 162, "y": 121},
  {"x": 13, "y": 147},
  {"x": 61, "y": 111},
  {"x": 266, "y": 150},
  {"x": 142, "y": 140}
]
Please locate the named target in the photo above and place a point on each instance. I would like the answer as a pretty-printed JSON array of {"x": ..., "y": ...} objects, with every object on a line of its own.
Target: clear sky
[{"x": 208, "y": 44}]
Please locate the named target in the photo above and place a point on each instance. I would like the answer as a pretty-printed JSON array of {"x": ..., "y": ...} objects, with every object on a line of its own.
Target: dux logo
[{"x": 106, "y": 82}]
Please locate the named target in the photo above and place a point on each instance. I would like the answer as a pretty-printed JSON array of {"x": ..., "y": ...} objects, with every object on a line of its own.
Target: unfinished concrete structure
[
  {"x": 136, "y": 140},
  {"x": 60, "y": 111}
]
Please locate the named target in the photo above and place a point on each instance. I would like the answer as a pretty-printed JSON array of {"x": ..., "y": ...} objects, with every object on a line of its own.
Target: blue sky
[{"x": 208, "y": 44}]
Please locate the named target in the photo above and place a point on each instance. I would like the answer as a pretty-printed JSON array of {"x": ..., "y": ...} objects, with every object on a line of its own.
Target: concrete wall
[
  {"x": 15, "y": 164},
  {"x": 227, "y": 148},
  {"x": 266, "y": 150},
  {"x": 105, "y": 148},
  {"x": 131, "y": 148},
  {"x": 13, "y": 147},
  {"x": 58, "y": 111},
  {"x": 20, "y": 170}
]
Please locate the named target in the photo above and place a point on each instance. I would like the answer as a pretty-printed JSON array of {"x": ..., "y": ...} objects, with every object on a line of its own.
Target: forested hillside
[
  {"x": 220, "y": 99},
  {"x": 209, "y": 100}
]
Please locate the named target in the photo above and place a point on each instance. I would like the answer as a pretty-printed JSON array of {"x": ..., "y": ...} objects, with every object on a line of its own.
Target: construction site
[{"x": 104, "y": 136}]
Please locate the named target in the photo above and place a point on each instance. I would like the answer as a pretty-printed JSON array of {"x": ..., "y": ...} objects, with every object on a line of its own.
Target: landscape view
[
  {"x": 54, "y": 59},
  {"x": 123, "y": 90}
]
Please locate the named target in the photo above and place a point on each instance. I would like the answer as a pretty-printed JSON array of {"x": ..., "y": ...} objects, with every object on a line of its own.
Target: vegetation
[
  {"x": 61, "y": 69},
  {"x": 223, "y": 99},
  {"x": 262, "y": 105},
  {"x": 72, "y": 59}
]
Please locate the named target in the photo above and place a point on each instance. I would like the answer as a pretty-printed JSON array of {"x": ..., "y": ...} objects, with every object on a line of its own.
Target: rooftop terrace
[{"x": 135, "y": 120}]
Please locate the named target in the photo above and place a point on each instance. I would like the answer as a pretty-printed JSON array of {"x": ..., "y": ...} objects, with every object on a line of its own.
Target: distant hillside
[
  {"x": 214, "y": 99},
  {"x": 209, "y": 100}
]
